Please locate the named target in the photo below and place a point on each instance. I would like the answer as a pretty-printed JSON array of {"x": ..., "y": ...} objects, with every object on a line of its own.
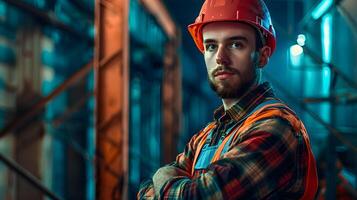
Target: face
[{"x": 231, "y": 58}]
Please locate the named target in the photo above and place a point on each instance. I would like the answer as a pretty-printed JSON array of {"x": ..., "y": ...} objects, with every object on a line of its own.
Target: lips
[{"x": 221, "y": 75}]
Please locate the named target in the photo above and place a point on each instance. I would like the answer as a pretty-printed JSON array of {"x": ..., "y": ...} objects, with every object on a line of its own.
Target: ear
[{"x": 264, "y": 53}]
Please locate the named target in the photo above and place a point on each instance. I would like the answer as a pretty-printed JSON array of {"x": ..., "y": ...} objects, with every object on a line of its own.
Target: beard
[{"x": 226, "y": 90}]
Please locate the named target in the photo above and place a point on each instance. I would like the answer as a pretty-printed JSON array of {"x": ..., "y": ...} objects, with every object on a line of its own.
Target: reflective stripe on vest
[{"x": 269, "y": 109}]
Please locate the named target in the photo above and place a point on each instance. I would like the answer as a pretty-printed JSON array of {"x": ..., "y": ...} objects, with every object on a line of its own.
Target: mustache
[{"x": 223, "y": 68}]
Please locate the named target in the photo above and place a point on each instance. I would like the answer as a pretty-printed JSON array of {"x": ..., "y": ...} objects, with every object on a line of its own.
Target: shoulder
[
  {"x": 276, "y": 127},
  {"x": 276, "y": 120},
  {"x": 276, "y": 115}
]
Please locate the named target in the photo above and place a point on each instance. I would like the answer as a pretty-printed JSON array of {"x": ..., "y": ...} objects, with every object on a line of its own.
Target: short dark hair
[{"x": 259, "y": 39}]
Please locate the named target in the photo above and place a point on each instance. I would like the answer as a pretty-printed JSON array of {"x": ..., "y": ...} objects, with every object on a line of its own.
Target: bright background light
[
  {"x": 301, "y": 39},
  {"x": 296, "y": 50},
  {"x": 321, "y": 9},
  {"x": 296, "y": 55},
  {"x": 326, "y": 37}
]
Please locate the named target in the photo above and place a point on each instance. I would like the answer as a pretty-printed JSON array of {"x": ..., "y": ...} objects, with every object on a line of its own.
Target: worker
[{"x": 256, "y": 147}]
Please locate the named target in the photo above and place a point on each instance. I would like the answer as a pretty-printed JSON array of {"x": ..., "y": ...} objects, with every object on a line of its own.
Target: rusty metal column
[
  {"x": 112, "y": 76},
  {"x": 171, "y": 100}
]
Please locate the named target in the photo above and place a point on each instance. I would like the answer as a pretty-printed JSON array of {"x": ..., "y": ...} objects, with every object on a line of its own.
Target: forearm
[
  {"x": 206, "y": 186},
  {"x": 165, "y": 174},
  {"x": 178, "y": 168},
  {"x": 223, "y": 180},
  {"x": 254, "y": 168}
]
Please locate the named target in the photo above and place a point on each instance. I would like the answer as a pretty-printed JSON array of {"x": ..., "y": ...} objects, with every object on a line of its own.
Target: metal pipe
[
  {"x": 28, "y": 176},
  {"x": 331, "y": 160},
  {"x": 348, "y": 98}
]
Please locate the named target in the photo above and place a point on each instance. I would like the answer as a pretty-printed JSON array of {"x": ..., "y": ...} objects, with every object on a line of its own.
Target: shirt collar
[{"x": 245, "y": 104}]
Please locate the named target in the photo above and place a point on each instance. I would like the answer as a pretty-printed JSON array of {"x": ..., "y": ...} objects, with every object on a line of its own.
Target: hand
[
  {"x": 164, "y": 174},
  {"x": 146, "y": 190}
]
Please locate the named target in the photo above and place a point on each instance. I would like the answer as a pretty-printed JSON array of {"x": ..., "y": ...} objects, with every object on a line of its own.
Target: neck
[{"x": 229, "y": 102}]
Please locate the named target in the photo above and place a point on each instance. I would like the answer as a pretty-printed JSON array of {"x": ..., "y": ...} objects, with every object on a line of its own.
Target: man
[{"x": 256, "y": 147}]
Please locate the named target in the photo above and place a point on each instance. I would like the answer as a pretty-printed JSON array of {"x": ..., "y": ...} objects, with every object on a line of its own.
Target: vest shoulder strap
[{"x": 200, "y": 141}]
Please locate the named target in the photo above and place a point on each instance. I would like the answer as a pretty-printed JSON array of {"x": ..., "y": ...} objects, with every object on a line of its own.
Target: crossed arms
[{"x": 260, "y": 163}]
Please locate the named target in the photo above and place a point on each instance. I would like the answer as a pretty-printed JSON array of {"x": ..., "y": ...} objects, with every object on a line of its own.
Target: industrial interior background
[{"x": 95, "y": 95}]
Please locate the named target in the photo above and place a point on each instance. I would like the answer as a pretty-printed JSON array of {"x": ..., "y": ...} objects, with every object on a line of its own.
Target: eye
[
  {"x": 236, "y": 45},
  {"x": 210, "y": 47}
]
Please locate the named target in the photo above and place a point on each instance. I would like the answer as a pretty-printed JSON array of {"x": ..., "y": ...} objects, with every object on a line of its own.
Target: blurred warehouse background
[{"x": 95, "y": 95}]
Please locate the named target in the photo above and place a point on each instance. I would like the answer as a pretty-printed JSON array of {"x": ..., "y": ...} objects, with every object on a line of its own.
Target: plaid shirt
[{"x": 267, "y": 161}]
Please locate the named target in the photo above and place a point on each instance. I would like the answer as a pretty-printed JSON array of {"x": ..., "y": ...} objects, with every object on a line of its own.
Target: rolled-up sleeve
[{"x": 183, "y": 162}]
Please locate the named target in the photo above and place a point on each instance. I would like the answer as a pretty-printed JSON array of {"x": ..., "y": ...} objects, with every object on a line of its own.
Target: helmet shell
[{"x": 253, "y": 12}]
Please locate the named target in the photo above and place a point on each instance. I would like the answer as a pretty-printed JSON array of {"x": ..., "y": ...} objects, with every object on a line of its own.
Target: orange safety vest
[{"x": 266, "y": 111}]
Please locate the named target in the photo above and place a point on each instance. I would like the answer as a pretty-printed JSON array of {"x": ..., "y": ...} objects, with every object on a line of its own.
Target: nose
[{"x": 222, "y": 57}]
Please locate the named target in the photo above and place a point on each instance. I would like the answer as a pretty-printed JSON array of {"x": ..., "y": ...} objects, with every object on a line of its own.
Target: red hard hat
[{"x": 253, "y": 12}]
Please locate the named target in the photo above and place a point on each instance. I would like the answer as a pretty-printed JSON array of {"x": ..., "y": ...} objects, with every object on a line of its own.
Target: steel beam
[
  {"x": 111, "y": 90},
  {"x": 21, "y": 119},
  {"x": 28, "y": 177},
  {"x": 159, "y": 11}
]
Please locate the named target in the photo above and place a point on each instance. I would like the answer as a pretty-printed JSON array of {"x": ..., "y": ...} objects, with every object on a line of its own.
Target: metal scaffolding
[{"x": 111, "y": 21}]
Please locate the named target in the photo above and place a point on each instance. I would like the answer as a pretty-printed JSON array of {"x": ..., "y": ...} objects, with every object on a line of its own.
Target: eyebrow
[{"x": 230, "y": 39}]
